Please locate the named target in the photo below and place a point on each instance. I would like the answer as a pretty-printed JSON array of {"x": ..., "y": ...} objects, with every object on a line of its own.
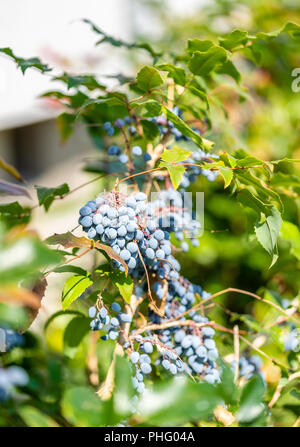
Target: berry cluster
[
  {"x": 108, "y": 323},
  {"x": 193, "y": 171},
  {"x": 250, "y": 365},
  {"x": 127, "y": 224},
  {"x": 292, "y": 341},
  {"x": 174, "y": 213}
]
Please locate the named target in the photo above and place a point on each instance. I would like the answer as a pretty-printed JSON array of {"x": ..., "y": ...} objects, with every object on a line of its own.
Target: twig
[
  {"x": 236, "y": 352},
  {"x": 279, "y": 388}
]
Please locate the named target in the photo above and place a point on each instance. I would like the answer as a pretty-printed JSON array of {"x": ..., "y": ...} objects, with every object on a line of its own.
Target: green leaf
[
  {"x": 178, "y": 401},
  {"x": 267, "y": 231},
  {"x": 175, "y": 155},
  {"x": 35, "y": 418},
  {"x": 251, "y": 402},
  {"x": 68, "y": 240},
  {"x": 176, "y": 73},
  {"x": 65, "y": 122},
  {"x": 73, "y": 288},
  {"x": 71, "y": 269},
  {"x": 62, "y": 313},
  {"x": 227, "y": 175},
  {"x": 203, "y": 62},
  {"x": 14, "y": 214},
  {"x": 121, "y": 43},
  {"x": 83, "y": 408},
  {"x": 23, "y": 257},
  {"x": 198, "y": 45},
  {"x": 24, "y": 64},
  {"x": 227, "y": 388},
  {"x": 47, "y": 195},
  {"x": 176, "y": 173},
  {"x": 74, "y": 333},
  {"x": 122, "y": 282},
  {"x": 124, "y": 391},
  {"x": 148, "y": 78},
  {"x": 150, "y": 130},
  {"x": 88, "y": 81},
  {"x": 234, "y": 39},
  {"x": 290, "y": 232},
  {"x": 186, "y": 130},
  {"x": 153, "y": 108}
]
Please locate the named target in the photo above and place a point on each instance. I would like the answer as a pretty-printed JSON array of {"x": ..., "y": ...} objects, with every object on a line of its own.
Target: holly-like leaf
[
  {"x": 175, "y": 171},
  {"x": 14, "y": 214},
  {"x": 235, "y": 39},
  {"x": 148, "y": 78},
  {"x": 203, "y": 62},
  {"x": 186, "y": 130},
  {"x": 47, "y": 195},
  {"x": 74, "y": 334},
  {"x": 198, "y": 45},
  {"x": 150, "y": 130},
  {"x": 227, "y": 175},
  {"x": 176, "y": 73},
  {"x": 22, "y": 256},
  {"x": 83, "y": 408},
  {"x": 251, "y": 402},
  {"x": 290, "y": 232},
  {"x": 24, "y": 64},
  {"x": 65, "y": 122},
  {"x": 68, "y": 240},
  {"x": 267, "y": 231},
  {"x": 73, "y": 288},
  {"x": 121, "y": 43},
  {"x": 122, "y": 282},
  {"x": 178, "y": 401},
  {"x": 175, "y": 155},
  {"x": 35, "y": 418}
]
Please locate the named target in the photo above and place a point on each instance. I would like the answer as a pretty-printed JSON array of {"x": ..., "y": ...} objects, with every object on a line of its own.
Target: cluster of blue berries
[
  {"x": 193, "y": 345},
  {"x": 292, "y": 340},
  {"x": 166, "y": 126},
  {"x": 250, "y": 365},
  {"x": 128, "y": 225},
  {"x": 174, "y": 212},
  {"x": 108, "y": 322},
  {"x": 10, "y": 378},
  {"x": 192, "y": 172}
]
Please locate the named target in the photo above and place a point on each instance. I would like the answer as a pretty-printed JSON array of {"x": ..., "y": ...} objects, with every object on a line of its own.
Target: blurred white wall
[{"x": 51, "y": 30}]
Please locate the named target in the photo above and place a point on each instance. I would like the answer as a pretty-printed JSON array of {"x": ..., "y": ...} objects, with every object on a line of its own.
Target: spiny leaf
[
  {"x": 176, "y": 73},
  {"x": 267, "y": 231},
  {"x": 175, "y": 155},
  {"x": 73, "y": 288},
  {"x": 148, "y": 78},
  {"x": 24, "y": 64},
  {"x": 121, "y": 43},
  {"x": 175, "y": 171},
  {"x": 47, "y": 195},
  {"x": 203, "y": 62},
  {"x": 186, "y": 130},
  {"x": 227, "y": 175},
  {"x": 68, "y": 240},
  {"x": 122, "y": 282}
]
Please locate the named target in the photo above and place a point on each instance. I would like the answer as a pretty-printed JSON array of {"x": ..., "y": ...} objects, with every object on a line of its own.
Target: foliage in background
[{"x": 234, "y": 90}]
